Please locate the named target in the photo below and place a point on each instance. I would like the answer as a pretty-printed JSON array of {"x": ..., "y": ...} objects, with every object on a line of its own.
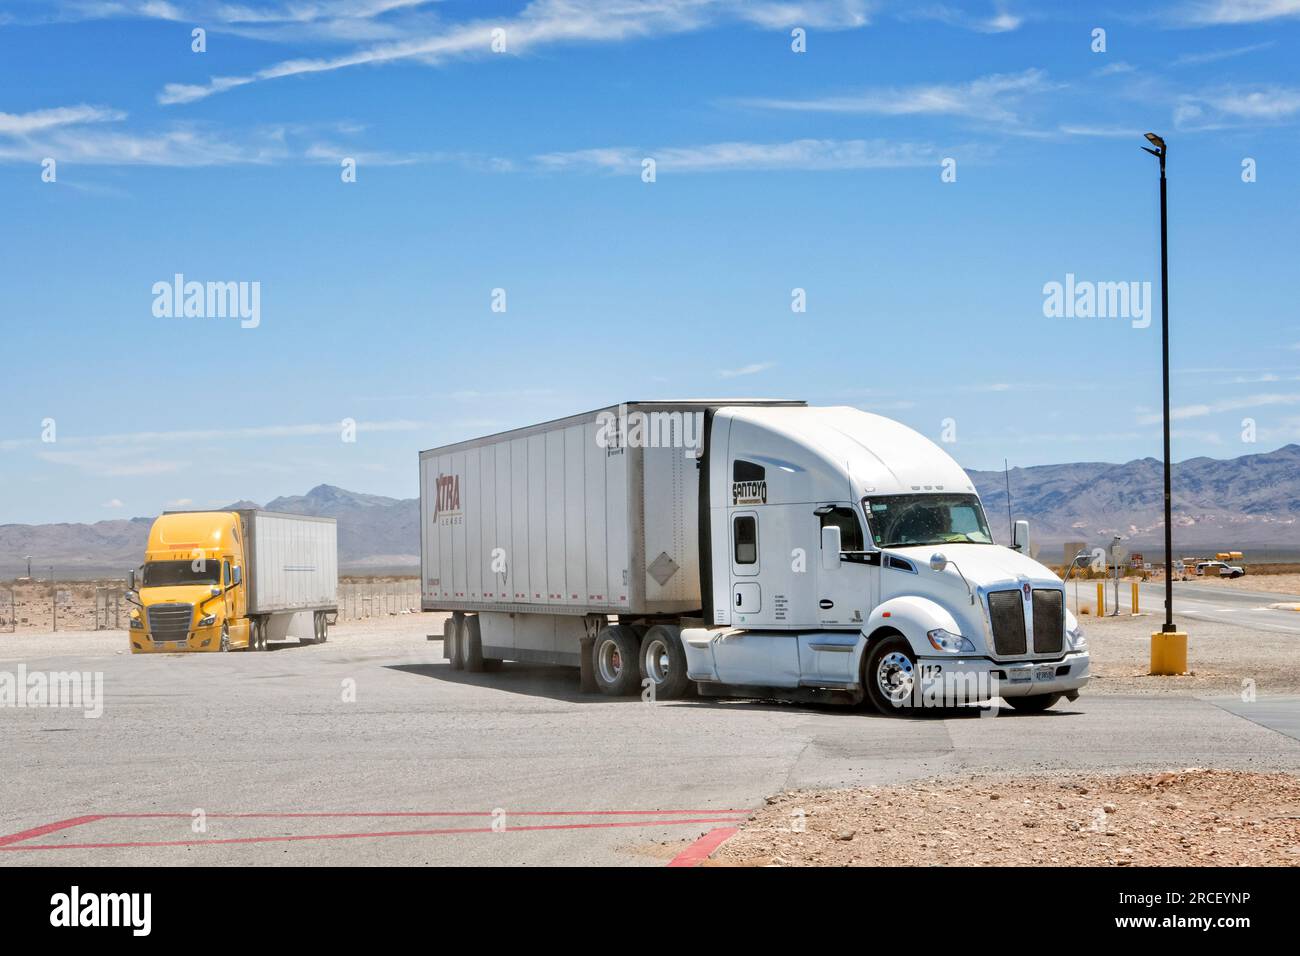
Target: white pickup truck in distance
[{"x": 740, "y": 548}]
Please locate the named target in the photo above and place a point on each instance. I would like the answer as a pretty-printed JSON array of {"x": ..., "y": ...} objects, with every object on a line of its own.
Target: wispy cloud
[
  {"x": 40, "y": 121},
  {"x": 547, "y": 22},
  {"x": 751, "y": 369},
  {"x": 999, "y": 18},
  {"x": 94, "y": 135},
  {"x": 1214, "y": 56},
  {"x": 350, "y": 21},
  {"x": 805, "y": 154},
  {"x": 992, "y": 97},
  {"x": 1202, "y": 409},
  {"x": 1237, "y": 105},
  {"x": 1218, "y": 12},
  {"x": 134, "y": 439}
]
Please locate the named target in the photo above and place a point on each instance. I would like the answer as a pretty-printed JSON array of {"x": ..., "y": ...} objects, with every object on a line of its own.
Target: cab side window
[
  {"x": 851, "y": 538},
  {"x": 745, "y": 533},
  {"x": 225, "y": 572}
]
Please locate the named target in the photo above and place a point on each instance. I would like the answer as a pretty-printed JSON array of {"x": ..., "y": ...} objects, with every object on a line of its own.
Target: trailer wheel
[
  {"x": 450, "y": 643},
  {"x": 614, "y": 661},
  {"x": 1034, "y": 703},
  {"x": 889, "y": 675},
  {"x": 471, "y": 644},
  {"x": 663, "y": 661},
  {"x": 322, "y": 628}
]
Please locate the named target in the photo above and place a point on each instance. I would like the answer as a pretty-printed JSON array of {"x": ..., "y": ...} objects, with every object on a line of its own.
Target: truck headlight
[
  {"x": 947, "y": 641},
  {"x": 137, "y": 623},
  {"x": 207, "y": 620},
  {"x": 1078, "y": 641}
]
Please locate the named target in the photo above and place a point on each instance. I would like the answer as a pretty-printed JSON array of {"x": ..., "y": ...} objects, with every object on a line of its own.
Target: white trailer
[
  {"x": 738, "y": 547},
  {"x": 293, "y": 573}
]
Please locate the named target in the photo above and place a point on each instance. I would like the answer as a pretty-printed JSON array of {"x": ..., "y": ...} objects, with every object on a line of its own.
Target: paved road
[
  {"x": 287, "y": 769},
  {"x": 1226, "y": 604}
]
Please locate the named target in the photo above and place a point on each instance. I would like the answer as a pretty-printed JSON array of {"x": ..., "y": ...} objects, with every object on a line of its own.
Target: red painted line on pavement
[
  {"x": 289, "y": 838},
  {"x": 700, "y": 850},
  {"x": 47, "y": 828},
  {"x": 411, "y": 813}
]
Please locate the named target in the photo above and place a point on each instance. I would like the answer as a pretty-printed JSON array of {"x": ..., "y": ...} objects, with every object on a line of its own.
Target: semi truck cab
[
  {"x": 849, "y": 553},
  {"x": 189, "y": 594}
]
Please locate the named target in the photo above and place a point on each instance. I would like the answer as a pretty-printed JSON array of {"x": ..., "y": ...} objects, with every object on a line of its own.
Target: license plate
[
  {"x": 1019, "y": 675},
  {"x": 1047, "y": 672}
]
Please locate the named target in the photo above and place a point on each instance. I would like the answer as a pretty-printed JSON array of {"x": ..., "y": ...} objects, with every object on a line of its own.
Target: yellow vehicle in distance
[{"x": 233, "y": 580}]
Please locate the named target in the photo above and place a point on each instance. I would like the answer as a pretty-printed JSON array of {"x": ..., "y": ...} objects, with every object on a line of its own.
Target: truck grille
[
  {"x": 1007, "y": 615},
  {"x": 170, "y": 622},
  {"x": 1049, "y": 621}
]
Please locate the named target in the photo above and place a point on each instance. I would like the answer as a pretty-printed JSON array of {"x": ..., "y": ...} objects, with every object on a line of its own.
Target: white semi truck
[{"x": 739, "y": 548}]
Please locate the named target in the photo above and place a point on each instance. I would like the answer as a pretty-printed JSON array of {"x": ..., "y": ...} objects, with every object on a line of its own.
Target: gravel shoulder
[
  {"x": 1222, "y": 658},
  {"x": 1189, "y": 817}
]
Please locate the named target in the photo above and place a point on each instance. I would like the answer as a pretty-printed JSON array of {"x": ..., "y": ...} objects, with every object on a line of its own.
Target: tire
[
  {"x": 254, "y": 637},
  {"x": 613, "y": 661},
  {"x": 663, "y": 661},
  {"x": 471, "y": 645},
  {"x": 450, "y": 644},
  {"x": 1034, "y": 703},
  {"x": 889, "y": 675},
  {"x": 322, "y": 628},
  {"x": 225, "y": 638}
]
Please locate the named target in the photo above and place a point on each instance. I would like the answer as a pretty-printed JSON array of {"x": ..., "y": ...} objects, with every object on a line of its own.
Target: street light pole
[
  {"x": 1159, "y": 152},
  {"x": 1168, "y": 645}
]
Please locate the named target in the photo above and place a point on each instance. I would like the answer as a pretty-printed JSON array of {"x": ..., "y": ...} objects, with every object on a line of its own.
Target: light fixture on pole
[{"x": 1169, "y": 646}]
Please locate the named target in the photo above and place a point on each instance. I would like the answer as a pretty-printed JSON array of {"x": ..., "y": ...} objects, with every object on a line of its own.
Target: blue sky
[{"x": 522, "y": 170}]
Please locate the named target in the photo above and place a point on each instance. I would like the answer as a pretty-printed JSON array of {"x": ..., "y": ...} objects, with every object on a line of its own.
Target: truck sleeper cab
[{"x": 794, "y": 552}]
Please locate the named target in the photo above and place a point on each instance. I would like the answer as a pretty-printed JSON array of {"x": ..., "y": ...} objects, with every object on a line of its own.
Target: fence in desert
[
  {"x": 8, "y": 611},
  {"x": 359, "y": 600}
]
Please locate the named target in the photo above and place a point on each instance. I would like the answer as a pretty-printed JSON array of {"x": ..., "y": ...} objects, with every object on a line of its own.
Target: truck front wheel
[
  {"x": 663, "y": 662},
  {"x": 614, "y": 661},
  {"x": 889, "y": 675}
]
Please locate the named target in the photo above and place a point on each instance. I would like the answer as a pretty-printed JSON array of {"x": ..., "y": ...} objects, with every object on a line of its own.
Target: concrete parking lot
[{"x": 371, "y": 750}]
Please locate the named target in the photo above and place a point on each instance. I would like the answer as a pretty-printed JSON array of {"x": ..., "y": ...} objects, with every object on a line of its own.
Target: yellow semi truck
[{"x": 233, "y": 580}]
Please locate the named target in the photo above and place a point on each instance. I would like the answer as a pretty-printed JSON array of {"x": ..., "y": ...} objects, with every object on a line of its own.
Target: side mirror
[
  {"x": 1020, "y": 537},
  {"x": 130, "y": 580},
  {"x": 236, "y": 575},
  {"x": 938, "y": 562},
  {"x": 830, "y": 547}
]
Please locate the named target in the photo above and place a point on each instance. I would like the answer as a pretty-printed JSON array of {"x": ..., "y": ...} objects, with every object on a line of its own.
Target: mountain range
[{"x": 1250, "y": 502}]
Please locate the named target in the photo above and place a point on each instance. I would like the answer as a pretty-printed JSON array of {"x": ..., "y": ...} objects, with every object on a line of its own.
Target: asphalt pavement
[{"x": 372, "y": 750}]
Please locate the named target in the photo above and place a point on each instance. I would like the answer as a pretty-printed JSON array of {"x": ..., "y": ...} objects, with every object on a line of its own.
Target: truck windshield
[
  {"x": 899, "y": 520},
  {"x": 163, "y": 574}
]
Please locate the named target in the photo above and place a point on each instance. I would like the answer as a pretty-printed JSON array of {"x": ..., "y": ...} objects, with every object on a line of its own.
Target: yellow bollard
[
  {"x": 1135, "y": 597},
  {"x": 1101, "y": 598},
  {"x": 1168, "y": 653}
]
